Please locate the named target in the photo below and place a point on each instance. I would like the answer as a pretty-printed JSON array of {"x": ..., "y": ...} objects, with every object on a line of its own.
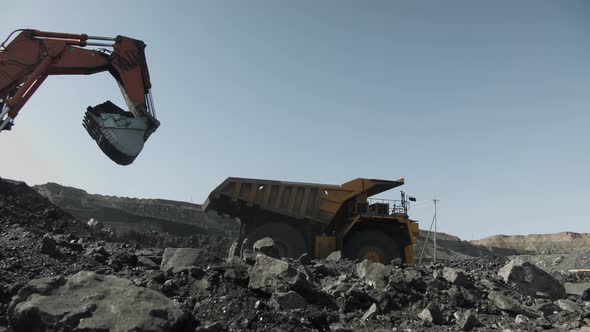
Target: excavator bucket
[{"x": 119, "y": 134}]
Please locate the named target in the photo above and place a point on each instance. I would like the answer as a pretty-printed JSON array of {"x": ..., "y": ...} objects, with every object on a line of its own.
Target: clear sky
[{"x": 483, "y": 104}]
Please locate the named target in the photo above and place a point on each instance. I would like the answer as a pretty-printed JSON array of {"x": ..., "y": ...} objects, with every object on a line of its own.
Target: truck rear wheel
[
  {"x": 289, "y": 240},
  {"x": 372, "y": 245}
]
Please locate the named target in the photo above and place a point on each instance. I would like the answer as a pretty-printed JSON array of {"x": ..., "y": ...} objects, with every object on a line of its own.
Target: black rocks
[
  {"x": 466, "y": 321},
  {"x": 375, "y": 274},
  {"x": 431, "y": 314},
  {"x": 456, "y": 277},
  {"x": 288, "y": 300},
  {"x": 267, "y": 247},
  {"x": 334, "y": 256},
  {"x": 86, "y": 300},
  {"x": 531, "y": 280},
  {"x": 49, "y": 245}
]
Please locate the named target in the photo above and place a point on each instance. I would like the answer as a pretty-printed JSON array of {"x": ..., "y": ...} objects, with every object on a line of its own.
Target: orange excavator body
[{"x": 33, "y": 55}]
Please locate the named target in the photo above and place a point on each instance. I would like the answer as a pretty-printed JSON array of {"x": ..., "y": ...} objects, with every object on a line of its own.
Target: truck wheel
[
  {"x": 290, "y": 241},
  {"x": 371, "y": 245}
]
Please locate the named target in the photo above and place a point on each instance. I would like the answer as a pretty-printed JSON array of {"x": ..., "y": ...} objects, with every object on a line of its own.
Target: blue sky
[{"x": 483, "y": 104}]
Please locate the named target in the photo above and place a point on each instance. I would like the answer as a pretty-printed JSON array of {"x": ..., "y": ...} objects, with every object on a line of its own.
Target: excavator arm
[{"x": 33, "y": 55}]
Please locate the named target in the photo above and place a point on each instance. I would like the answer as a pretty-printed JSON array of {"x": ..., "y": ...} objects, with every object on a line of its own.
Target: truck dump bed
[{"x": 315, "y": 202}]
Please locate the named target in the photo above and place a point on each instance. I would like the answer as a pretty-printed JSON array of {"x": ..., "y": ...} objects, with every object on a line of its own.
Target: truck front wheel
[{"x": 372, "y": 245}]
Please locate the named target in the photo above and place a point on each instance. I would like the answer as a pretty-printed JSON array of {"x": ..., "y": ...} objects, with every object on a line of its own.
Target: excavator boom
[{"x": 27, "y": 60}]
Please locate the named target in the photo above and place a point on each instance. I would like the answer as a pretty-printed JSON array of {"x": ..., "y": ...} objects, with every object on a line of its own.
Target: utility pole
[{"x": 434, "y": 255}]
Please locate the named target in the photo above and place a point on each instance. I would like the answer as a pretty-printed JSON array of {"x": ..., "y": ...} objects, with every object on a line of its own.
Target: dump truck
[{"x": 319, "y": 219}]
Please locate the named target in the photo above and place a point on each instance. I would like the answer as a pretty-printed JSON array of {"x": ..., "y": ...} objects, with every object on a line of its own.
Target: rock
[
  {"x": 53, "y": 213},
  {"x": 374, "y": 274},
  {"x": 234, "y": 250},
  {"x": 266, "y": 273},
  {"x": 466, "y": 321},
  {"x": 586, "y": 295},
  {"x": 126, "y": 258},
  {"x": 370, "y": 313},
  {"x": 193, "y": 271},
  {"x": 576, "y": 288},
  {"x": 431, "y": 314},
  {"x": 546, "y": 309},
  {"x": 49, "y": 245},
  {"x": 568, "y": 305},
  {"x": 334, "y": 256},
  {"x": 91, "y": 302},
  {"x": 116, "y": 265},
  {"x": 505, "y": 303},
  {"x": 288, "y": 300},
  {"x": 456, "y": 277},
  {"x": 521, "y": 319},
  {"x": 267, "y": 246},
  {"x": 356, "y": 298},
  {"x": 215, "y": 327},
  {"x": 100, "y": 254},
  {"x": 178, "y": 257},
  {"x": 93, "y": 222},
  {"x": 531, "y": 280},
  {"x": 340, "y": 327},
  {"x": 249, "y": 256},
  {"x": 146, "y": 262},
  {"x": 325, "y": 270},
  {"x": 304, "y": 259}
]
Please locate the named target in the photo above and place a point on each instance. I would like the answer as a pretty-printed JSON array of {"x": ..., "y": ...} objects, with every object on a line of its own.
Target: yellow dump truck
[{"x": 319, "y": 219}]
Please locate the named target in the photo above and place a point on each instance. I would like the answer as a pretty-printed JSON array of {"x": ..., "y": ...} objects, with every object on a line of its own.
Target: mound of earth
[
  {"x": 141, "y": 215},
  {"x": 540, "y": 243},
  {"x": 452, "y": 247}
]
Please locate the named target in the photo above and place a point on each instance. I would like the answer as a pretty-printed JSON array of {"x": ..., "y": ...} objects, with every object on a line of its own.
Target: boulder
[
  {"x": 304, "y": 259},
  {"x": 49, "y": 245},
  {"x": 288, "y": 300},
  {"x": 267, "y": 246},
  {"x": 431, "y": 314},
  {"x": 356, "y": 298},
  {"x": 586, "y": 295},
  {"x": 146, "y": 262},
  {"x": 370, "y": 313},
  {"x": 547, "y": 308},
  {"x": 504, "y": 302},
  {"x": 267, "y": 273},
  {"x": 334, "y": 256},
  {"x": 578, "y": 288},
  {"x": 521, "y": 319},
  {"x": 466, "y": 321},
  {"x": 456, "y": 277},
  {"x": 568, "y": 305},
  {"x": 179, "y": 257},
  {"x": 531, "y": 280},
  {"x": 100, "y": 254},
  {"x": 87, "y": 301},
  {"x": 375, "y": 274}
]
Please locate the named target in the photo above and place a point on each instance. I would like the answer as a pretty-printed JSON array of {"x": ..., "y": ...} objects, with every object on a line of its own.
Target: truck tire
[
  {"x": 290, "y": 241},
  {"x": 372, "y": 245}
]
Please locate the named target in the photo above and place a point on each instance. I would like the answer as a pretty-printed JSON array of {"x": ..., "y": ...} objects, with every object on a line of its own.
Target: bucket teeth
[{"x": 119, "y": 135}]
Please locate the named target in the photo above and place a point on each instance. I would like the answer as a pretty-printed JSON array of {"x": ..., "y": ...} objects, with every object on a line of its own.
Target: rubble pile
[{"x": 60, "y": 274}]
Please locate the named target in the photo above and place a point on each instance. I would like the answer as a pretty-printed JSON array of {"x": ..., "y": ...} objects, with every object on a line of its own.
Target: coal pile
[{"x": 60, "y": 274}]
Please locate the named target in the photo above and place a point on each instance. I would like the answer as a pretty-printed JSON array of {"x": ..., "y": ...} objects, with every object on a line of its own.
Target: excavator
[{"x": 27, "y": 59}]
